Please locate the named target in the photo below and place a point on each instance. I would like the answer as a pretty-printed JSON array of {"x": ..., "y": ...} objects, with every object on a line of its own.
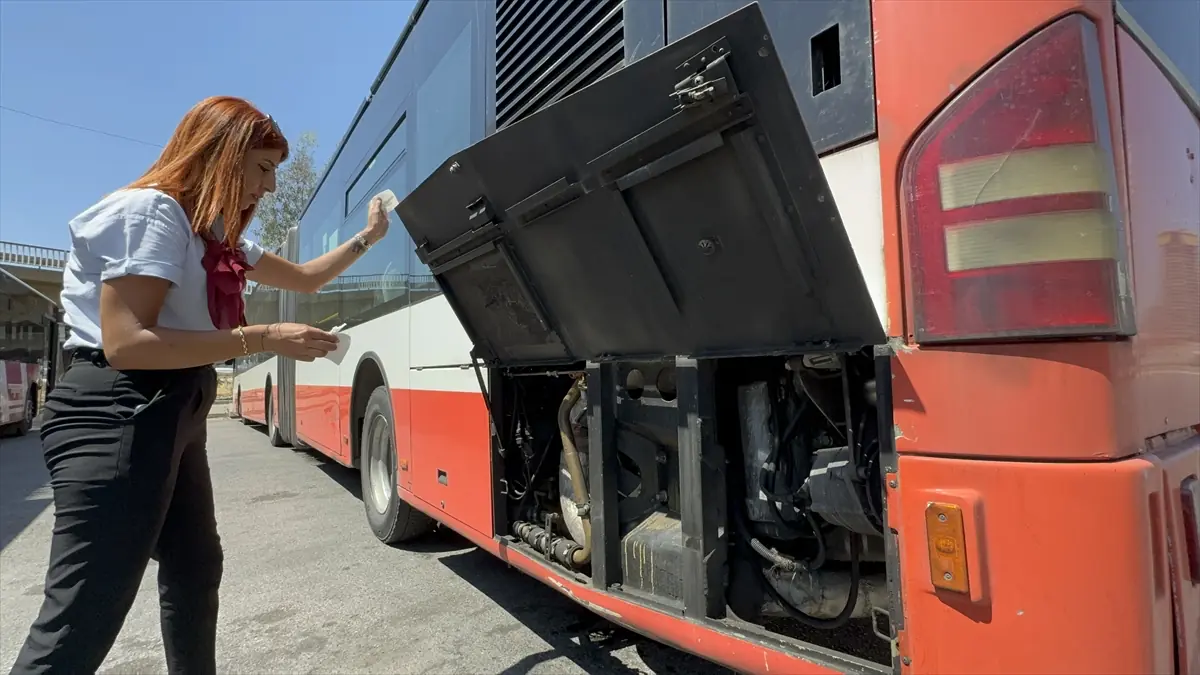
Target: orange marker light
[{"x": 947, "y": 547}]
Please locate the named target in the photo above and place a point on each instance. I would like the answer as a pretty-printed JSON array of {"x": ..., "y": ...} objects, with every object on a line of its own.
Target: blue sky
[{"x": 132, "y": 68}]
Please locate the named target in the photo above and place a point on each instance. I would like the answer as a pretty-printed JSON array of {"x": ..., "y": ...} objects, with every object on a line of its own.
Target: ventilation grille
[{"x": 547, "y": 49}]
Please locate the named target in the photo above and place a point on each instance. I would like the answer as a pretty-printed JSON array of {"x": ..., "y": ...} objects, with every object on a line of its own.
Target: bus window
[
  {"x": 1167, "y": 25},
  {"x": 444, "y": 111},
  {"x": 320, "y": 309},
  {"x": 378, "y": 282},
  {"x": 445, "y": 117},
  {"x": 262, "y": 308},
  {"x": 382, "y": 163}
]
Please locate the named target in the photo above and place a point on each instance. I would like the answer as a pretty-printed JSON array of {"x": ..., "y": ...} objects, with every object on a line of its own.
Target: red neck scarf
[{"x": 226, "y": 270}]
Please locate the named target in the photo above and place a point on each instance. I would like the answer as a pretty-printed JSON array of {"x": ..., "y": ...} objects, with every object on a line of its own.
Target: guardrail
[
  {"x": 377, "y": 282},
  {"x": 37, "y": 257},
  {"x": 373, "y": 282}
]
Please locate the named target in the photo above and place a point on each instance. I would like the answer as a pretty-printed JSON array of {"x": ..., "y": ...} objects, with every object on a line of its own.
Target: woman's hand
[
  {"x": 377, "y": 221},
  {"x": 301, "y": 342},
  {"x": 309, "y": 277}
]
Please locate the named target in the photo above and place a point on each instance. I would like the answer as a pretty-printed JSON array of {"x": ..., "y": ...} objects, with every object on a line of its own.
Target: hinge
[{"x": 710, "y": 79}]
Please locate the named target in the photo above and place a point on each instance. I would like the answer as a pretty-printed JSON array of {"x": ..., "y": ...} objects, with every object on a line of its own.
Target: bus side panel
[
  {"x": 253, "y": 403},
  {"x": 1067, "y": 568},
  {"x": 318, "y": 421},
  {"x": 12, "y": 401},
  {"x": 1162, "y": 138},
  {"x": 450, "y": 437},
  {"x": 251, "y": 385},
  {"x": 451, "y": 446}
]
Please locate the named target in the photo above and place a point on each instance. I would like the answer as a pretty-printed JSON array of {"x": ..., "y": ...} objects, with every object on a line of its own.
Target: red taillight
[{"x": 1011, "y": 215}]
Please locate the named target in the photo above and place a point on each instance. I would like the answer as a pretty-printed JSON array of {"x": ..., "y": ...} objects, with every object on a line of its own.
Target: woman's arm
[
  {"x": 309, "y": 277},
  {"x": 132, "y": 339}
]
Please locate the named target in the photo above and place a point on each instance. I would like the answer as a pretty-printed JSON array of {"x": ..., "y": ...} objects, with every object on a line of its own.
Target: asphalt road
[{"x": 308, "y": 589}]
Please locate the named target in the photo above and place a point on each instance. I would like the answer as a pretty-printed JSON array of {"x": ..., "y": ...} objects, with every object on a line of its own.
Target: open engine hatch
[{"x": 674, "y": 207}]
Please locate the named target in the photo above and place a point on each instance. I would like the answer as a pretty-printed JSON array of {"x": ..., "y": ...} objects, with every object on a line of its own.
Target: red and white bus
[
  {"x": 31, "y": 337},
  {"x": 822, "y": 336}
]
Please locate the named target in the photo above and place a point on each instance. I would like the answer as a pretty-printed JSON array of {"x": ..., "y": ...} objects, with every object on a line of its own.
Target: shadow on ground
[
  {"x": 24, "y": 485},
  {"x": 572, "y": 631}
]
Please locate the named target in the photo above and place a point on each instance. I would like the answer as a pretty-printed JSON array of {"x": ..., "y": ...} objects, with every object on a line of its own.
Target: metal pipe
[
  {"x": 583, "y": 555},
  {"x": 559, "y": 549}
]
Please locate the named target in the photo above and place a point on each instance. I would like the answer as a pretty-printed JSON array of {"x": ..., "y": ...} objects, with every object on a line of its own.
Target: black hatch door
[{"x": 675, "y": 207}]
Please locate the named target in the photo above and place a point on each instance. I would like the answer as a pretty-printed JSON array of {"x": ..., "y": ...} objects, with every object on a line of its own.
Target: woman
[{"x": 152, "y": 294}]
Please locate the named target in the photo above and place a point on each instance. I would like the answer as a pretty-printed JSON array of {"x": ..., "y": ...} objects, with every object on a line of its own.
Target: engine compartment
[{"x": 746, "y": 490}]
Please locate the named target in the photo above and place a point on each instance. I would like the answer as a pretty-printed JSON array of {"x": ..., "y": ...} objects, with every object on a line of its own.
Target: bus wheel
[
  {"x": 391, "y": 519},
  {"x": 273, "y": 435},
  {"x": 26, "y": 422}
]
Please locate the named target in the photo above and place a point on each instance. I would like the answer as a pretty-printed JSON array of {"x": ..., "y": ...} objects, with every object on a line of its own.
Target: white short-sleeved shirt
[{"x": 140, "y": 232}]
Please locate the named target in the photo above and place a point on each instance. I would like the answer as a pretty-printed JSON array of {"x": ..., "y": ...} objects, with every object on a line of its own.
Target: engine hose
[
  {"x": 851, "y": 596},
  {"x": 777, "y": 559},
  {"x": 583, "y": 555},
  {"x": 780, "y": 560},
  {"x": 786, "y": 562}
]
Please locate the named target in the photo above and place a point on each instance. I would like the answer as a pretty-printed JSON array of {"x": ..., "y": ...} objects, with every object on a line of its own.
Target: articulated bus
[{"x": 807, "y": 337}]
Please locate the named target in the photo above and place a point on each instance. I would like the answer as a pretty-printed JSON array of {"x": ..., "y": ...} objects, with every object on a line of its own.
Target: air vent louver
[{"x": 547, "y": 49}]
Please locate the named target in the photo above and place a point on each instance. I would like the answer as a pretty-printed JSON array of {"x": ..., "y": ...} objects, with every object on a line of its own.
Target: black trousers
[{"x": 129, "y": 471}]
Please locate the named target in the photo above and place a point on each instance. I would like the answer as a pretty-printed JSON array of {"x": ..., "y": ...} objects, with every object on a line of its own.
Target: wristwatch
[{"x": 362, "y": 241}]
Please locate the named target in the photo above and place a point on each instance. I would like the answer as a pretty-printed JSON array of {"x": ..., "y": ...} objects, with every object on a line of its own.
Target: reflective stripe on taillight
[
  {"x": 1034, "y": 172},
  {"x": 1037, "y": 238},
  {"x": 1011, "y": 218}
]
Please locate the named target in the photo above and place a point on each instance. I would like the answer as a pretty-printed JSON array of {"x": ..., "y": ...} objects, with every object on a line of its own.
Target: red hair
[{"x": 202, "y": 165}]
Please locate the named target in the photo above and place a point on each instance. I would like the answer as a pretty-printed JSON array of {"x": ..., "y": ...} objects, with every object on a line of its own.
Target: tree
[{"x": 295, "y": 183}]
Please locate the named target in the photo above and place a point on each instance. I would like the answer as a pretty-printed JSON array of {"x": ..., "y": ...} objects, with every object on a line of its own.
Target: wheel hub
[{"x": 379, "y": 463}]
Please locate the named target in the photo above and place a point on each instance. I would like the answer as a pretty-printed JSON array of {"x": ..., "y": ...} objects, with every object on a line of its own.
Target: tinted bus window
[
  {"x": 262, "y": 308},
  {"x": 429, "y": 105},
  {"x": 385, "y": 159},
  {"x": 1173, "y": 26},
  {"x": 378, "y": 282},
  {"x": 318, "y": 235},
  {"x": 447, "y": 120},
  {"x": 444, "y": 105}
]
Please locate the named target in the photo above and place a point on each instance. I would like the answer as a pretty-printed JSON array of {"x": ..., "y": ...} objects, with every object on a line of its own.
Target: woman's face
[{"x": 259, "y": 175}]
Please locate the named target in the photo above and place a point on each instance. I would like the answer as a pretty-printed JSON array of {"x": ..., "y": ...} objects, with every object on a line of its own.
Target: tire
[
  {"x": 273, "y": 435},
  {"x": 30, "y": 412},
  {"x": 391, "y": 519}
]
